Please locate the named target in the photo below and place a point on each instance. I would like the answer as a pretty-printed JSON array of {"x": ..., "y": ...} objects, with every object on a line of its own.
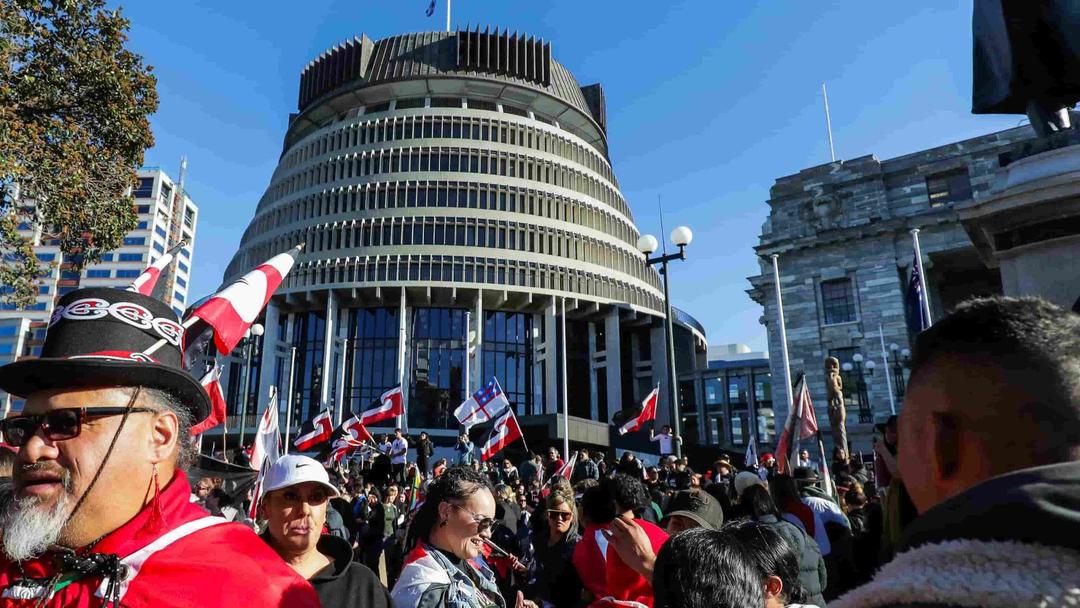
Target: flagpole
[
  {"x": 922, "y": 277},
  {"x": 566, "y": 403},
  {"x": 289, "y": 399},
  {"x": 888, "y": 375},
  {"x": 402, "y": 419},
  {"x": 828, "y": 124},
  {"x": 468, "y": 354},
  {"x": 447, "y": 15},
  {"x": 783, "y": 332}
]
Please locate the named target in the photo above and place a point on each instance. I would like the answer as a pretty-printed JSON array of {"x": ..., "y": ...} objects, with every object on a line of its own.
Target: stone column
[
  {"x": 594, "y": 349},
  {"x": 551, "y": 358},
  {"x": 329, "y": 346},
  {"x": 613, "y": 347}
]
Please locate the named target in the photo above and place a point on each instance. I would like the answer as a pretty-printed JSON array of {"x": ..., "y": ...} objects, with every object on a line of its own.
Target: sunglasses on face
[
  {"x": 57, "y": 425},
  {"x": 560, "y": 515},
  {"x": 482, "y": 523}
]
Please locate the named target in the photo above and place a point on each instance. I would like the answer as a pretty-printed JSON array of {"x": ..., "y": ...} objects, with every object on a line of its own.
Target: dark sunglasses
[
  {"x": 560, "y": 515},
  {"x": 57, "y": 425}
]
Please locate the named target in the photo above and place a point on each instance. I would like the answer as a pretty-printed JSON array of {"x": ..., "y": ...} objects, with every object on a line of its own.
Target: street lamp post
[
  {"x": 866, "y": 414},
  {"x": 249, "y": 346},
  {"x": 899, "y": 358},
  {"x": 647, "y": 244}
]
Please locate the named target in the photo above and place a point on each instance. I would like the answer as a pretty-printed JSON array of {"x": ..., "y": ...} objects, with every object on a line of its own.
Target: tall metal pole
[
  {"x": 828, "y": 123},
  {"x": 922, "y": 277},
  {"x": 447, "y": 15},
  {"x": 244, "y": 392},
  {"x": 888, "y": 375},
  {"x": 466, "y": 388},
  {"x": 783, "y": 332},
  {"x": 289, "y": 400},
  {"x": 565, "y": 400},
  {"x": 673, "y": 394}
]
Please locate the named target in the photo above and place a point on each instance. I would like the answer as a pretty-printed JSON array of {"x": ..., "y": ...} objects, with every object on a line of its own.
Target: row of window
[
  {"x": 458, "y": 160},
  {"x": 467, "y": 269},
  {"x": 462, "y": 232},
  {"x": 100, "y": 273},
  {"x": 455, "y": 195},
  {"x": 346, "y": 136}
]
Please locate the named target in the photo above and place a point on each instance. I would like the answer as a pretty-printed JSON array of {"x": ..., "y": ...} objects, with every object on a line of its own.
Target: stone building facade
[{"x": 842, "y": 232}]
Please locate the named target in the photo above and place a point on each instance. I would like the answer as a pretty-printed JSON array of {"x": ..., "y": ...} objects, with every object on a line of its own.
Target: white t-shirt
[
  {"x": 665, "y": 443},
  {"x": 399, "y": 445}
]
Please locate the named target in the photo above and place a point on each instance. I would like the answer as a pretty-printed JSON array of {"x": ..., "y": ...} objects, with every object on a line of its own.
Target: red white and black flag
[
  {"x": 232, "y": 310},
  {"x": 318, "y": 430},
  {"x": 391, "y": 405},
  {"x": 212, "y": 383},
  {"x": 354, "y": 428},
  {"x": 504, "y": 432},
  {"x": 146, "y": 281},
  {"x": 801, "y": 424},
  {"x": 648, "y": 412}
]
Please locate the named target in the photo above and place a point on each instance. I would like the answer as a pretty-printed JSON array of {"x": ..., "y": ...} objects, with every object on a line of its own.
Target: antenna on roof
[{"x": 828, "y": 120}]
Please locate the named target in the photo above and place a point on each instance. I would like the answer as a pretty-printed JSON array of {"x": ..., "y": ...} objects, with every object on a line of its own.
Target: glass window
[
  {"x": 145, "y": 189},
  {"x": 131, "y": 257},
  {"x": 106, "y": 257},
  {"x": 714, "y": 393},
  {"x": 135, "y": 240},
  {"x": 948, "y": 187},
  {"x": 46, "y": 257},
  {"x": 737, "y": 389},
  {"x": 446, "y": 102},
  {"x": 412, "y": 102},
  {"x": 160, "y": 231},
  {"x": 127, "y": 274},
  {"x": 837, "y": 301},
  {"x": 143, "y": 209},
  {"x": 481, "y": 104},
  {"x": 98, "y": 274}
]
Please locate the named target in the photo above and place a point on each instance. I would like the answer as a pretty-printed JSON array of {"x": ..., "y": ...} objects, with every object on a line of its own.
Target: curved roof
[{"x": 497, "y": 56}]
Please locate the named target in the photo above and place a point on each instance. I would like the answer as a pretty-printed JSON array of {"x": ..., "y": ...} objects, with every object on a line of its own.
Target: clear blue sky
[{"x": 708, "y": 103}]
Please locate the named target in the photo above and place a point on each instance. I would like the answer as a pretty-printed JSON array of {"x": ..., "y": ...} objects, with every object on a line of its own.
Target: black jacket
[
  {"x": 345, "y": 583},
  {"x": 424, "y": 450},
  {"x": 1010, "y": 541}
]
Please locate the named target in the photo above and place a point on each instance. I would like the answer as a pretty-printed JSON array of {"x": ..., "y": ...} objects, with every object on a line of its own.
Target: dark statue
[{"x": 1027, "y": 60}]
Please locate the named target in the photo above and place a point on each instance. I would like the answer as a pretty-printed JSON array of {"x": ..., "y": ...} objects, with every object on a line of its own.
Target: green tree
[{"x": 74, "y": 108}]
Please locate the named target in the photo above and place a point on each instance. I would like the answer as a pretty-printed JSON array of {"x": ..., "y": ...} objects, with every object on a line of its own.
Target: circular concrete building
[{"x": 454, "y": 192}]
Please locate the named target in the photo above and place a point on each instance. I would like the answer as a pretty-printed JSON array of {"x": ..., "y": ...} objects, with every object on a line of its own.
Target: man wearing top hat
[{"x": 101, "y": 513}]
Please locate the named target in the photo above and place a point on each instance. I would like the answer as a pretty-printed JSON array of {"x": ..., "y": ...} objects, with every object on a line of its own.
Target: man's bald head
[{"x": 995, "y": 387}]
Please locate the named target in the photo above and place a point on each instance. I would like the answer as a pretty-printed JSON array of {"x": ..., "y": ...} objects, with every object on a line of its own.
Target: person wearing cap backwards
[
  {"x": 101, "y": 514},
  {"x": 297, "y": 492}
]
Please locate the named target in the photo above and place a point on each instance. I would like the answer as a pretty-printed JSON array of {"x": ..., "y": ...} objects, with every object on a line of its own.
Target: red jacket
[
  {"x": 605, "y": 575},
  {"x": 208, "y": 563}
]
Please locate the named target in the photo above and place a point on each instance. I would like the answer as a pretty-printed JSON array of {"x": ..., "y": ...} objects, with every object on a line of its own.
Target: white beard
[{"x": 30, "y": 529}]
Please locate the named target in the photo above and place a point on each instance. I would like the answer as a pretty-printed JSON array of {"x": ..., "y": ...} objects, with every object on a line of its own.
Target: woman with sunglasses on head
[
  {"x": 447, "y": 535},
  {"x": 554, "y": 579}
]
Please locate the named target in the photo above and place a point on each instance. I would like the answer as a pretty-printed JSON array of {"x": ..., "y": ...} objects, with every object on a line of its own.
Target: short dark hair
[
  {"x": 1035, "y": 344},
  {"x": 628, "y": 492},
  {"x": 457, "y": 483},
  {"x": 773, "y": 554},
  {"x": 758, "y": 502},
  {"x": 702, "y": 568}
]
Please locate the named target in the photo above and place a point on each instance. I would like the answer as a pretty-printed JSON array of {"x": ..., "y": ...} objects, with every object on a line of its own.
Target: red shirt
[
  {"x": 212, "y": 565},
  {"x": 604, "y": 573}
]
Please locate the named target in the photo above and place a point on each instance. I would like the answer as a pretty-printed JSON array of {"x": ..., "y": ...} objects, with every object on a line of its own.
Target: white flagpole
[
  {"x": 783, "y": 332},
  {"x": 828, "y": 122},
  {"x": 885, "y": 364},
  {"x": 922, "y": 277},
  {"x": 447, "y": 15},
  {"x": 289, "y": 399},
  {"x": 566, "y": 403},
  {"x": 402, "y": 420},
  {"x": 467, "y": 389}
]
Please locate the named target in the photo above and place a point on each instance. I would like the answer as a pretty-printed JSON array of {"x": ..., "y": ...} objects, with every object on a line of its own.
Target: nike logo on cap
[{"x": 301, "y": 464}]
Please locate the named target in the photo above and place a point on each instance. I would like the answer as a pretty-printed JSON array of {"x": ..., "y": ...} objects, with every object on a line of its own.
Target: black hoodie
[{"x": 345, "y": 583}]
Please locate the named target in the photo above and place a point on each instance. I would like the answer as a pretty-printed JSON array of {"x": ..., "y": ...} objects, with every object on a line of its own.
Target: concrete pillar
[
  {"x": 594, "y": 349},
  {"x": 268, "y": 359},
  {"x": 551, "y": 357},
  {"x": 613, "y": 347},
  {"x": 330, "y": 345},
  {"x": 658, "y": 351},
  {"x": 476, "y": 371}
]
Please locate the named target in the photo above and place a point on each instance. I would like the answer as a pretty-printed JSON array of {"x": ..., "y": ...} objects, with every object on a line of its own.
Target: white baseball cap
[{"x": 294, "y": 469}]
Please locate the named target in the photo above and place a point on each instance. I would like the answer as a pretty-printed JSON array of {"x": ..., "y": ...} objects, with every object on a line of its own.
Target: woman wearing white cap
[{"x": 296, "y": 493}]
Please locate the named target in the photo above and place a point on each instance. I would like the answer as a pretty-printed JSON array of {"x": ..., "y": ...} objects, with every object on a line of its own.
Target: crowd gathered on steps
[{"x": 972, "y": 498}]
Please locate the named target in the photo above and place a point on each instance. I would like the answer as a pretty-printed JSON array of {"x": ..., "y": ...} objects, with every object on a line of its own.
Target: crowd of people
[{"x": 970, "y": 498}]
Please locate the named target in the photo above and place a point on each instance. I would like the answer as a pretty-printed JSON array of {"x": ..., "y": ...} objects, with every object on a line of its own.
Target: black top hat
[
  {"x": 97, "y": 338},
  {"x": 805, "y": 475}
]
